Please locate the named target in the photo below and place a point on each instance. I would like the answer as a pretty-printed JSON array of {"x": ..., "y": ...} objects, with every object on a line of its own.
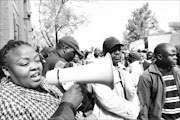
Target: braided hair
[{"x": 12, "y": 44}]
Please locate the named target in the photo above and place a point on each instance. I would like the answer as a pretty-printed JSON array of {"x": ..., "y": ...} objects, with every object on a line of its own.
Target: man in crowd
[
  {"x": 97, "y": 53},
  {"x": 144, "y": 60},
  {"x": 135, "y": 67},
  {"x": 67, "y": 48},
  {"x": 149, "y": 56},
  {"x": 65, "y": 51},
  {"x": 115, "y": 104},
  {"x": 159, "y": 86}
]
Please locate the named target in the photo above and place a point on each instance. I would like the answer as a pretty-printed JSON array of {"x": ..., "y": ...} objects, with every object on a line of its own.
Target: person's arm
[
  {"x": 71, "y": 99},
  {"x": 144, "y": 97},
  {"x": 113, "y": 103},
  {"x": 65, "y": 111}
]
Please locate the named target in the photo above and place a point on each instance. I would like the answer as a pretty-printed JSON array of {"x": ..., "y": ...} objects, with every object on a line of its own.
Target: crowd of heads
[
  {"x": 24, "y": 65},
  {"x": 111, "y": 44},
  {"x": 69, "y": 49}
]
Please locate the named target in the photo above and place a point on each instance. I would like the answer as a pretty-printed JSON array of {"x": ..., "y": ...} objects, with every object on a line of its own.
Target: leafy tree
[
  {"x": 58, "y": 17},
  {"x": 140, "y": 24},
  {"x": 175, "y": 26}
]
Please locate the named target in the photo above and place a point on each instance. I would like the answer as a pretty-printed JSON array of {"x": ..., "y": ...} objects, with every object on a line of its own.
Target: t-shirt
[{"x": 171, "y": 108}]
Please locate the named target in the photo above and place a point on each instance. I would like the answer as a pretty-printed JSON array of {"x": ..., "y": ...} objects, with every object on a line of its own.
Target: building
[
  {"x": 15, "y": 22},
  {"x": 172, "y": 38},
  {"x": 155, "y": 39}
]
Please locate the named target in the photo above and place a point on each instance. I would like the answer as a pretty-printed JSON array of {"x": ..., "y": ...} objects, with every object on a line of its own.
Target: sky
[{"x": 110, "y": 17}]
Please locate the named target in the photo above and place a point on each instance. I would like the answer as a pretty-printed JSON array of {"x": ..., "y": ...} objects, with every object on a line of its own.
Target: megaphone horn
[{"x": 98, "y": 72}]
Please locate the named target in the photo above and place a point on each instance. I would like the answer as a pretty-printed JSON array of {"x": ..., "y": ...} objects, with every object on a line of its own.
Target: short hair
[
  {"x": 161, "y": 48},
  {"x": 144, "y": 51}
]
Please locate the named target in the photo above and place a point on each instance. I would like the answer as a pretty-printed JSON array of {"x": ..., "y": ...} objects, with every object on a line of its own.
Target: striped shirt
[{"x": 171, "y": 108}]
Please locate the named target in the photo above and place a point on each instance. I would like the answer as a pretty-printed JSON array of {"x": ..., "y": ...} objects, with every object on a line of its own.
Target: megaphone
[{"x": 99, "y": 71}]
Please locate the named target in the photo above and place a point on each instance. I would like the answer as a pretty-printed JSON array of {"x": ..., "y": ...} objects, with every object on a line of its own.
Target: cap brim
[
  {"x": 79, "y": 52},
  {"x": 118, "y": 45}
]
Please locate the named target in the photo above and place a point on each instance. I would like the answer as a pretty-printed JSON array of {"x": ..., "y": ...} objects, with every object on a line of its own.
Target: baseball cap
[
  {"x": 109, "y": 43},
  {"x": 68, "y": 40}
]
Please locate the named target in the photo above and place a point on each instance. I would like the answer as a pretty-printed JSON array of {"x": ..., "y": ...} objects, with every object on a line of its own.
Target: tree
[
  {"x": 58, "y": 17},
  {"x": 175, "y": 26},
  {"x": 140, "y": 24}
]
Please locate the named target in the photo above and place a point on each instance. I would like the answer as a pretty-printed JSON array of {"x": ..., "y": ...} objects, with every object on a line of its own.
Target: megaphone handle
[
  {"x": 79, "y": 106},
  {"x": 58, "y": 75}
]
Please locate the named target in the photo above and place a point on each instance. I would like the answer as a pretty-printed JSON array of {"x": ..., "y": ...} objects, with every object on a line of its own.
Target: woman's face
[{"x": 24, "y": 66}]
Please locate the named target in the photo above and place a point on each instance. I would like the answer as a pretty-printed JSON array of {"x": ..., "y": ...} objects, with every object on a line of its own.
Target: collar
[
  {"x": 154, "y": 69},
  {"x": 61, "y": 58},
  {"x": 58, "y": 54}
]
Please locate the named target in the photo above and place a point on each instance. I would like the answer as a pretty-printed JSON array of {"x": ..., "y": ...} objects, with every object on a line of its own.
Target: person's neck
[{"x": 163, "y": 67}]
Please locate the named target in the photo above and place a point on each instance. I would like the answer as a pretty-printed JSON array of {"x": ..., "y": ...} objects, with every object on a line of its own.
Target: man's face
[
  {"x": 149, "y": 55},
  {"x": 97, "y": 52},
  {"x": 169, "y": 58},
  {"x": 116, "y": 54},
  {"x": 143, "y": 56},
  {"x": 69, "y": 53}
]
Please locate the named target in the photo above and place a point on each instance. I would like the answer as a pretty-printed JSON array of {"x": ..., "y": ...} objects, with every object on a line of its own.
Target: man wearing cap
[
  {"x": 65, "y": 51},
  {"x": 121, "y": 102}
]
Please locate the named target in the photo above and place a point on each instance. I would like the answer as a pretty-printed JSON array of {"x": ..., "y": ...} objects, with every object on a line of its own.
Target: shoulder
[
  {"x": 9, "y": 97},
  {"x": 145, "y": 76},
  {"x": 52, "y": 57},
  {"x": 6, "y": 90}
]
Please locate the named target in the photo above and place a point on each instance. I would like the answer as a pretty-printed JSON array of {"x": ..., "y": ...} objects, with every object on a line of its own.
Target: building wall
[
  {"x": 15, "y": 21},
  {"x": 4, "y": 21},
  {"x": 154, "y": 40}
]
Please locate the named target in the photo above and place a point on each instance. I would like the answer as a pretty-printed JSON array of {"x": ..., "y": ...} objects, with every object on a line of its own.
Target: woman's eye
[{"x": 23, "y": 64}]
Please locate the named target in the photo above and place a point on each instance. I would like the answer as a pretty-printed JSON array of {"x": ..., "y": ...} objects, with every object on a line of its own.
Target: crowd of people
[{"x": 146, "y": 83}]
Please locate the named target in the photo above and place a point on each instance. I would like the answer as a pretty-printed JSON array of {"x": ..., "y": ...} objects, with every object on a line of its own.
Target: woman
[{"x": 25, "y": 94}]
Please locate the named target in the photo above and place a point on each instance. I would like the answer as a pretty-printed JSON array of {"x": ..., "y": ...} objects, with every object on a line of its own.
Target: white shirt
[
  {"x": 111, "y": 103},
  {"x": 136, "y": 69}
]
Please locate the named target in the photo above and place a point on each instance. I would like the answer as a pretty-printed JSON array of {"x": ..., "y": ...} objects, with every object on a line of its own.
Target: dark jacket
[
  {"x": 151, "y": 92},
  {"x": 66, "y": 111},
  {"x": 146, "y": 65},
  {"x": 51, "y": 62}
]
